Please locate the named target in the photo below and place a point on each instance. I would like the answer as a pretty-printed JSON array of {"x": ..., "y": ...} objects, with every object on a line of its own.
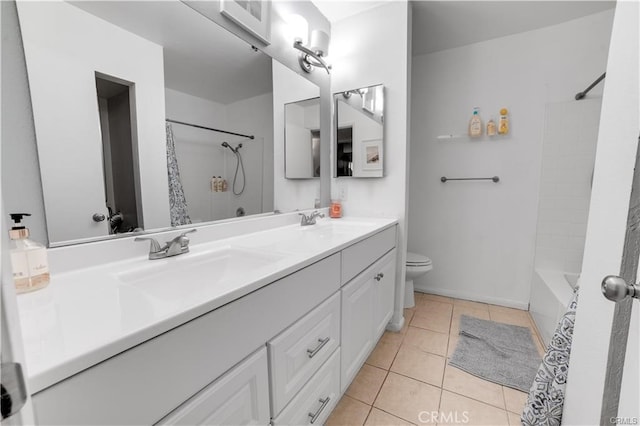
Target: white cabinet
[
  {"x": 316, "y": 400},
  {"x": 297, "y": 353},
  {"x": 367, "y": 306},
  {"x": 239, "y": 397}
]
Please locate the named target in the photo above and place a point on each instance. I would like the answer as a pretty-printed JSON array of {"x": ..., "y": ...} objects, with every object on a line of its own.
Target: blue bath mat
[{"x": 501, "y": 353}]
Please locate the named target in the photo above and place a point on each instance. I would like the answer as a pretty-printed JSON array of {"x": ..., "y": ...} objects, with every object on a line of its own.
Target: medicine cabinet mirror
[
  {"x": 177, "y": 77},
  {"x": 302, "y": 139},
  {"x": 359, "y": 123}
]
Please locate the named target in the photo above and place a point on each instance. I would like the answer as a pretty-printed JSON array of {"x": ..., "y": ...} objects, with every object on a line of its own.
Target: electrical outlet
[{"x": 342, "y": 192}]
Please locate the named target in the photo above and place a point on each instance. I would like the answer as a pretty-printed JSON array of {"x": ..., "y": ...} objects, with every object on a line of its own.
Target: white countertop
[{"x": 88, "y": 315}]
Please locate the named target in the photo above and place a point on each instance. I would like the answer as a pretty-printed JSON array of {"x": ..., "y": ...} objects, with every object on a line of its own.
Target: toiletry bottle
[
  {"x": 214, "y": 184},
  {"x": 224, "y": 186},
  {"x": 491, "y": 127},
  {"x": 503, "y": 124},
  {"x": 28, "y": 258},
  {"x": 335, "y": 211},
  {"x": 475, "y": 124}
]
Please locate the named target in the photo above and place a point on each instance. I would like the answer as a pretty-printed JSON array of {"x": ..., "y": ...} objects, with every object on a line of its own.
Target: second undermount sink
[{"x": 185, "y": 275}]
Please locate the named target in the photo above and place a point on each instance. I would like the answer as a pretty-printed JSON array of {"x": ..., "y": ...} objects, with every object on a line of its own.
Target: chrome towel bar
[{"x": 495, "y": 179}]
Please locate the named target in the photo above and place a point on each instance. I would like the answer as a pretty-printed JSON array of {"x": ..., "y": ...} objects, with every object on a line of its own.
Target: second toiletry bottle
[
  {"x": 28, "y": 258},
  {"x": 475, "y": 124}
]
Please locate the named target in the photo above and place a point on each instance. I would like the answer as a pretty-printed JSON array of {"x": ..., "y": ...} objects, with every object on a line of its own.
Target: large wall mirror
[
  {"x": 359, "y": 148},
  {"x": 147, "y": 115}
]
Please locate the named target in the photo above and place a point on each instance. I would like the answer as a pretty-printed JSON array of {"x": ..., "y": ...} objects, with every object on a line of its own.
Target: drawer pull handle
[
  {"x": 321, "y": 343},
  {"x": 379, "y": 276},
  {"x": 324, "y": 402}
]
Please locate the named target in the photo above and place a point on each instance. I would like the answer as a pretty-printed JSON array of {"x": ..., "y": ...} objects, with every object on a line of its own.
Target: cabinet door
[
  {"x": 357, "y": 330},
  {"x": 239, "y": 397},
  {"x": 384, "y": 281}
]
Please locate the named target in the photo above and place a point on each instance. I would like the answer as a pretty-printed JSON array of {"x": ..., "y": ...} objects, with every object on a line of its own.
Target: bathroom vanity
[{"x": 269, "y": 326}]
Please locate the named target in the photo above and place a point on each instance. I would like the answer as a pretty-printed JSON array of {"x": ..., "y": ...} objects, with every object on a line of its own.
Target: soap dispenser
[{"x": 28, "y": 258}]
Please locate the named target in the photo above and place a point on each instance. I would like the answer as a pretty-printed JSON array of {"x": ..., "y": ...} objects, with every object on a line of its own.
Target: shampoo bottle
[
  {"x": 475, "y": 124},
  {"x": 491, "y": 127},
  {"x": 28, "y": 258},
  {"x": 503, "y": 124}
]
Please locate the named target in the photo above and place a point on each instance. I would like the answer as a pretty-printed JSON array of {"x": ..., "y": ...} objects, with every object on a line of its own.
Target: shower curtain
[
  {"x": 177, "y": 201},
  {"x": 546, "y": 397}
]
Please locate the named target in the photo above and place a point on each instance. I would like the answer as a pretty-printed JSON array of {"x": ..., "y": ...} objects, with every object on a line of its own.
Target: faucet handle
[
  {"x": 184, "y": 241},
  {"x": 154, "y": 247}
]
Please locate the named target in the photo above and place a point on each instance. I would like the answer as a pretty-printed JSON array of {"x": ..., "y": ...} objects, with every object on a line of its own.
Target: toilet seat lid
[{"x": 414, "y": 259}]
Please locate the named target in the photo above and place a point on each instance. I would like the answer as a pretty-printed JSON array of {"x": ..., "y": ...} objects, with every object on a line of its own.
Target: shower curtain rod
[
  {"x": 583, "y": 93},
  {"x": 209, "y": 128}
]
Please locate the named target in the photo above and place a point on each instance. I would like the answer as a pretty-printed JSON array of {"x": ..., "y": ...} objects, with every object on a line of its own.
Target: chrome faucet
[
  {"x": 179, "y": 245},
  {"x": 311, "y": 219}
]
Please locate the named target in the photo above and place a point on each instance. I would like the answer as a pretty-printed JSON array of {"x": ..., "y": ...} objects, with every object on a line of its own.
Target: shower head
[{"x": 226, "y": 145}]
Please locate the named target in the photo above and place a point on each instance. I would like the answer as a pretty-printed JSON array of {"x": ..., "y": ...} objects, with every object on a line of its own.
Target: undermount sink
[{"x": 190, "y": 273}]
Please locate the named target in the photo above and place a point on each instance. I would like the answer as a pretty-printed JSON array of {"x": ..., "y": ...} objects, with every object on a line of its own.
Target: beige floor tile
[
  {"x": 380, "y": 418},
  {"x": 431, "y": 306},
  {"x": 348, "y": 412},
  {"x": 434, "y": 297},
  {"x": 408, "y": 315},
  {"x": 514, "y": 419},
  {"x": 427, "y": 340},
  {"x": 439, "y": 321},
  {"x": 453, "y": 341},
  {"x": 407, "y": 398},
  {"x": 419, "y": 365},
  {"x": 463, "y": 383},
  {"x": 470, "y": 304},
  {"x": 385, "y": 351},
  {"x": 458, "y": 409},
  {"x": 514, "y": 400},
  {"x": 367, "y": 383},
  {"x": 458, "y": 311}
]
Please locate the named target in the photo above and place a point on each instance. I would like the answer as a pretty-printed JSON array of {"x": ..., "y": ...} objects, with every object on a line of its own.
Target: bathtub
[{"x": 551, "y": 292}]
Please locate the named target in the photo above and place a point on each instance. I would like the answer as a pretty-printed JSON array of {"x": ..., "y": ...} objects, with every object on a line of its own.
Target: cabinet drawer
[
  {"x": 297, "y": 353},
  {"x": 316, "y": 399},
  {"x": 239, "y": 397},
  {"x": 359, "y": 256}
]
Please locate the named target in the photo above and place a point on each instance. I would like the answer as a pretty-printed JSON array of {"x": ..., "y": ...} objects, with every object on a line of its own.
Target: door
[
  {"x": 384, "y": 286},
  {"x": 602, "y": 387},
  {"x": 357, "y": 329}
]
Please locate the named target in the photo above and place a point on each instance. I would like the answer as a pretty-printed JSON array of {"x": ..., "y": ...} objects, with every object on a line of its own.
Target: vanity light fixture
[{"x": 312, "y": 56}]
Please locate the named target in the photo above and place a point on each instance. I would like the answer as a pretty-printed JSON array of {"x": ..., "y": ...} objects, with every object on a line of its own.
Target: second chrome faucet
[
  {"x": 309, "y": 220},
  {"x": 179, "y": 245}
]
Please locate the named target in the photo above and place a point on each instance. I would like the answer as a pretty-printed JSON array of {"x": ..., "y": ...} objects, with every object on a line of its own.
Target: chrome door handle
[
  {"x": 98, "y": 217},
  {"x": 616, "y": 289},
  {"x": 322, "y": 342},
  {"x": 14, "y": 392},
  {"x": 314, "y": 416}
]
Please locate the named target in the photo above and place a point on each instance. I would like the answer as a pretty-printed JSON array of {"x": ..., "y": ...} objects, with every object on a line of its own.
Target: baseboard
[{"x": 483, "y": 299}]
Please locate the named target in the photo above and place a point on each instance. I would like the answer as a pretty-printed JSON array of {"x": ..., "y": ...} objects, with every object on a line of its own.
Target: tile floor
[{"x": 407, "y": 373}]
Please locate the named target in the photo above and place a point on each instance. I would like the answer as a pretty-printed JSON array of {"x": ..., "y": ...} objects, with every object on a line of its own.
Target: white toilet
[{"x": 417, "y": 265}]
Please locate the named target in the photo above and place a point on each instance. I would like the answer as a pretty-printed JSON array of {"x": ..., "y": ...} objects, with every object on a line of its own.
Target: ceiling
[
  {"x": 440, "y": 25},
  {"x": 201, "y": 58}
]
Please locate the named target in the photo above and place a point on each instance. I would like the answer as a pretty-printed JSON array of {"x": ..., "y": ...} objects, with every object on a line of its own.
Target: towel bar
[{"x": 495, "y": 179}]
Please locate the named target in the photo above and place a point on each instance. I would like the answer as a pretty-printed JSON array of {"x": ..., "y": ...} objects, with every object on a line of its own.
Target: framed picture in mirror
[{"x": 252, "y": 15}]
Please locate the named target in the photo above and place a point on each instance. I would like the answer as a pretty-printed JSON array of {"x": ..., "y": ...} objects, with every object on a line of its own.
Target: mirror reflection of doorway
[{"x": 344, "y": 154}]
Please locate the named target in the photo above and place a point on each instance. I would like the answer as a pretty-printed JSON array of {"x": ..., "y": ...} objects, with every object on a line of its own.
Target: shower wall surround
[{"x": 481, "y": 235}]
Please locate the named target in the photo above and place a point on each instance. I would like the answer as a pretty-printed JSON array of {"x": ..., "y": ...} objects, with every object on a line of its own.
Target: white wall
[
  {"x": 615, "y": 160},
  {"x": 481, "y": 235},
  {"x": 62, "y": 66},
  {"x": 253, "y": 116},
  {"x": 569, "y": 150},
  {"x": 368, "y": 49},
  {"x": 290, "y": 194}
]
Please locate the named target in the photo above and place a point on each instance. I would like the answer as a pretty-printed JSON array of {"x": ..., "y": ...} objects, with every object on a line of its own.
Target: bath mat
[{"x": 501, "y": 353}]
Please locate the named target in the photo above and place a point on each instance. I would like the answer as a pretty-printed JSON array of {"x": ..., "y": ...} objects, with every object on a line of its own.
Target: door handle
[
  {"x": 98, "y": 217},
  {"x": 616, "y": 289},
  {"x": 14, "y": 392}
]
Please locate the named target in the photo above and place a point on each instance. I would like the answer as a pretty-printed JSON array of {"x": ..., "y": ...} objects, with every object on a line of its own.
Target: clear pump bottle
[{"x": 28, "y": 258}]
